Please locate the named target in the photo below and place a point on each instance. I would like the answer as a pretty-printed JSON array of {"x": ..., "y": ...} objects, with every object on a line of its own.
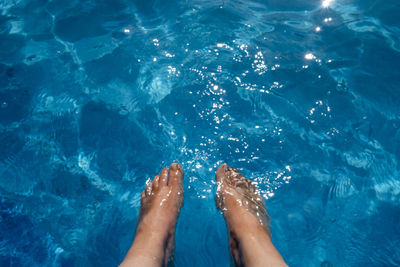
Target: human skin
[
  {"x": 161, "y": 202},
  {"x": 246, "y": 219},
  {"x": 241, "y": 204}
]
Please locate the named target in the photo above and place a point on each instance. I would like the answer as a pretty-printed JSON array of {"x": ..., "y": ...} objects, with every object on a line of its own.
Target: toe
[
  {"x": 164, "y": 177},
  {"x": 233, "y": 175},
  {"x": 220, "y": 174},
  {"x": 156, "y": 183},
  {"x": 241, "y": 177},
  {"x": 175, "y": 175},
  {"x": 251, "y": 186},
  {"x": 149, "y": 189},
  {"x": 234, "y": 170},
  {"x": 241, "y": 183},
  {"x": 143, "y": 195}
]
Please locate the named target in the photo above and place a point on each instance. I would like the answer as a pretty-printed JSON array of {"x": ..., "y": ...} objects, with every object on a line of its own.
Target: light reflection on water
[{"x": 98, "y": 97}]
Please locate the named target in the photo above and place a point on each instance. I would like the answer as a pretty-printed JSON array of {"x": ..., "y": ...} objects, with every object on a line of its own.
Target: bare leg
[
  {"x": 161, "y": 202},
  {"x": 247, "y": 220}
]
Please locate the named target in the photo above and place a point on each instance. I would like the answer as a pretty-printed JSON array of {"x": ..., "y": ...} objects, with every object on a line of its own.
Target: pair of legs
[{"x": 243, "y": 208}]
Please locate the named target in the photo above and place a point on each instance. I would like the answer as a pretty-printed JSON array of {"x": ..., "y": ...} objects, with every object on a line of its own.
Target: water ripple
[{"x": 97, "y": 97}]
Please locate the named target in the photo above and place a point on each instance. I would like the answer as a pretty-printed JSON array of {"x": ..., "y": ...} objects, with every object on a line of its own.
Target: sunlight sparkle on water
[
  {"x": 309, "y": 56},
  {"x": 326, "y": 3}
]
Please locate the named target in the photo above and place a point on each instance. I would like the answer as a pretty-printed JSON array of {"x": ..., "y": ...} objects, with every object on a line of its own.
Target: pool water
[{"x": 97, "y": 96}]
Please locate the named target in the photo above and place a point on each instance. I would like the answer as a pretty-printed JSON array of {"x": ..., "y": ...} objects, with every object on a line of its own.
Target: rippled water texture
[{"x": 97, "y": 96}]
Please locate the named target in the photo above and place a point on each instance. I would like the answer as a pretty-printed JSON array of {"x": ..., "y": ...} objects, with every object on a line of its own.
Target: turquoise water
[{"x": 97, "y": 96}]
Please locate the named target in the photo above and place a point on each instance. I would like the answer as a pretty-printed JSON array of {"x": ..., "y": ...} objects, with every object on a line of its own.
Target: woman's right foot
[
  {"x": 161, "y": 202},
  {"x": 247, "y": 220}
]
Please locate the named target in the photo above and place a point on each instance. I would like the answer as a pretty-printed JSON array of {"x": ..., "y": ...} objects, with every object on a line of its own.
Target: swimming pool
[{"x": 97, "y": 96}]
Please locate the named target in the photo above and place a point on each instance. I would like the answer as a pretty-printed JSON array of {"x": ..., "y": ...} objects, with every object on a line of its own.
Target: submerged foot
[
  {"x": 161, "y": 202},
  {"x": 247, "y": 220}
]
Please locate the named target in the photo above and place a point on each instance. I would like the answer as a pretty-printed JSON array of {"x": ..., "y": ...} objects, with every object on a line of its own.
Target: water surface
[{"x": 97, "y": 96}]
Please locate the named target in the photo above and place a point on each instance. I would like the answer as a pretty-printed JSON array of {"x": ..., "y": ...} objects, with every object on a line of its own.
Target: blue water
[{"x": 97, "y": 96}]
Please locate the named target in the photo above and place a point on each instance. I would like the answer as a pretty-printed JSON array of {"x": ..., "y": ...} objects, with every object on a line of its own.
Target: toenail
[{"x": 177, "y": 166}]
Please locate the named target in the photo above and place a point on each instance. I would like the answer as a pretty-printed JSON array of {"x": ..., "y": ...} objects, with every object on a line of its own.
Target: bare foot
[
  {"x": 161, "y": 202},
  {"x": 247, "y": 220}
]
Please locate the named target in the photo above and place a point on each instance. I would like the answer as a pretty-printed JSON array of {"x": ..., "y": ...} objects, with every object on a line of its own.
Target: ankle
[
  {"x": 156, "y": 222},
  {"x": 256, "y": 234},
  {"x": 256, "y": 247},
  {"x": 244, "y": 224},
  {"x": 150, "y": 244}
]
